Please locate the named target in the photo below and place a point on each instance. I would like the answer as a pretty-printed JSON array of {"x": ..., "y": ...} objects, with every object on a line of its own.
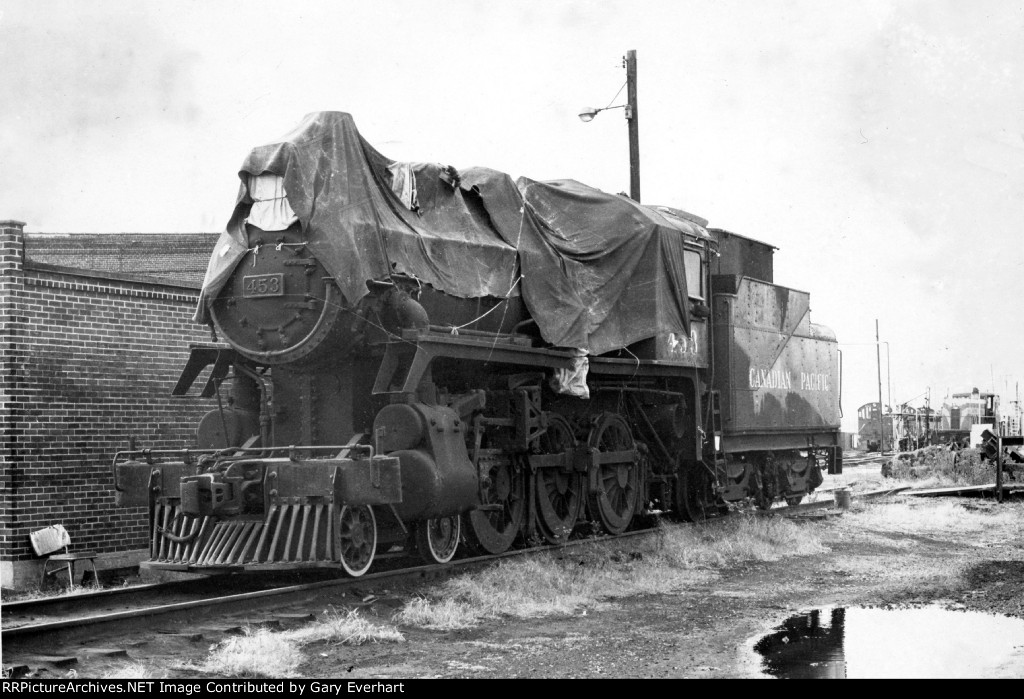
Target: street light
[{"x": 588, "y": 113}]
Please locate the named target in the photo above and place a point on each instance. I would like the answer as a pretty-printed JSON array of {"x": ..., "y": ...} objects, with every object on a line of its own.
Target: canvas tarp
[
  {"x": 339, "y": 187},
  {"x": 599, "y": 271}
]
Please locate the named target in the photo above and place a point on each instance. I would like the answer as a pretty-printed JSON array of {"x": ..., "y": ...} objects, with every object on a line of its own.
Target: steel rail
[
  {"x": 233, "y": 601},
  {"x": 228, "y": 602}
]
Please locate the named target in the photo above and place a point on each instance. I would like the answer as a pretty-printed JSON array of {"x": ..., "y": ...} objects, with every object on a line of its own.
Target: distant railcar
[{"x": 869, "y": 426}]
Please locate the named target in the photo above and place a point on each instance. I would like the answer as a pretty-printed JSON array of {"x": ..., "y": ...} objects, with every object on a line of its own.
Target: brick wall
[
  {"x": 168, "y": 257},
  {"x": 11, "y": 250},
  {"x": 87, "y": 362}
]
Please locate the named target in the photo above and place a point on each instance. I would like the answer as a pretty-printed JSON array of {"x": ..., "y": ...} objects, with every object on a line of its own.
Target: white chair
[{"x": 56, "y": 538}]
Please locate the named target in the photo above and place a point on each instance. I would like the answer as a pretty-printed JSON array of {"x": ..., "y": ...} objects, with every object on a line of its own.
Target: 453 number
[{"x": 263, "y": 285}]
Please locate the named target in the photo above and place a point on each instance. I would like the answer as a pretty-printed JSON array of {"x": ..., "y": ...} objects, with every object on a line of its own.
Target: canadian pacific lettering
[
  {"x": 770, "y": 378},
  {"x": 813, "y": 382},
  {"x": 777, "y": 378}
]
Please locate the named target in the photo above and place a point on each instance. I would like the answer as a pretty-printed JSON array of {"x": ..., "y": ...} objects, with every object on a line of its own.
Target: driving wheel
[
  {"x": 615, "y": 486},
  {"x": 560, "y": 490},
  {"x": 492, "y": 528}
]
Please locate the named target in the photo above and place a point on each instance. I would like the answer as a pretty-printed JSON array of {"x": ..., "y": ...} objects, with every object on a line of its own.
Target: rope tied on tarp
[
  {"x": 504, "y": 301},
  {"x": 255, "y": 250}
]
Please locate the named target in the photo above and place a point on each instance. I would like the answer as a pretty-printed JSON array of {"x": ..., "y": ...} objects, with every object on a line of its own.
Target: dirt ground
[
  {"x": 899, "y": 552},
  {"x": 957, "y": 553}
]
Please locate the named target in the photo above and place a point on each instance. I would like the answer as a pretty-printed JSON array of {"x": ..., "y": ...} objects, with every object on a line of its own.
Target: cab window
[{"x": 694, "y": 278}]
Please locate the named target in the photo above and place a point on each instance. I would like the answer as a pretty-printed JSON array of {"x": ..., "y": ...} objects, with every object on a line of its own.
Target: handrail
[
  {"x": 291, "y": 452},
  {"x": 841, "y": 383}
]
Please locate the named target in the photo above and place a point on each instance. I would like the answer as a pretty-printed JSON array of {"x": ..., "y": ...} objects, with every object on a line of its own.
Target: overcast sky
[{"x": 879, "y": 145}]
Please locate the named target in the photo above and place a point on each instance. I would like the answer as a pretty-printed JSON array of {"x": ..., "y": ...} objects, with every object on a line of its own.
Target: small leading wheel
[
  {"x": 794, "y": 500},
  {"x": 559, "y": 493},
  {"x": 437, "y": 539},
  {"x": 357, "y": 538},
  {"x": 616, "y": 496}
]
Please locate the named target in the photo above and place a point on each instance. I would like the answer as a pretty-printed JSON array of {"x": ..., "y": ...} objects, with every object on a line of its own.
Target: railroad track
[
  {"x": 866, "y": 458},
  {"x": 159, "y": 622}
]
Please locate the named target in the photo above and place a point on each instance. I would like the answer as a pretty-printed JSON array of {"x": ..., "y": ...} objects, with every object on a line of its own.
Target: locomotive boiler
[{"x": 409, "y": 357}]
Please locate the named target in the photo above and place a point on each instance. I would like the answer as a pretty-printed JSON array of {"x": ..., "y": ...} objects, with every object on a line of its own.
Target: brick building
[{"x": 94, "y": 331}]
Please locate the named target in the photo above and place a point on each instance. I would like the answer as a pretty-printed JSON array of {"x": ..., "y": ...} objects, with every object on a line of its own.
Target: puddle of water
[{"x": 929, "y": 642}]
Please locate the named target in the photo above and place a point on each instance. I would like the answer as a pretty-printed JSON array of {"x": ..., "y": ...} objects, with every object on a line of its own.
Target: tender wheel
[
  {"x": 694, "y": 498},
  {"x": 559, "y": 493},
  {"x": 437, "y": 539},
  {"x": 357, "y": 538},
  {"x": 614, "y": 498},
  {"x": 493, "y": 529}
]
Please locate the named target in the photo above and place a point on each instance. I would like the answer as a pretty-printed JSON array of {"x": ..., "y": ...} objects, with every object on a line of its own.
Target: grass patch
[
  {"x": 954, "y": 517},
  {"x": 938, "y": 466},
  {"x": 440, "y": 614},
  {"x": 740, "y": 538},
  {"x": 133, "y": 671},
  {"x": 263, "y": 653},
  {"x": 259, "y": 653},
  {"x": 567, "y": 581},
  {"x": 344, "y": 628},
  {"x": 51, "y": 591},
  {"x": 908, "y": 531}
]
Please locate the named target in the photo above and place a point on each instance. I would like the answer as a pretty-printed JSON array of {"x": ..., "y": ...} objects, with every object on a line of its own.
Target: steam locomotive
[{"x": 416, "y": 358}]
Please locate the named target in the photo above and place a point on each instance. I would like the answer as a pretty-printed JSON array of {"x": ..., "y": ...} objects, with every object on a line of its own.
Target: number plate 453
[{"x": 263, "y": 285}]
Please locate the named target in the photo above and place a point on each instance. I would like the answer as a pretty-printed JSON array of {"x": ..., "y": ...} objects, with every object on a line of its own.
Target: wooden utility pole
[
  {"x": 881, "y": 421},
  {"x": 634, "y": 128}
]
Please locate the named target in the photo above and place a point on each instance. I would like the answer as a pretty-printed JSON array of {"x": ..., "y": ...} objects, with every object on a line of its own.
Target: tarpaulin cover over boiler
[{"x": 598, "y": 271}]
